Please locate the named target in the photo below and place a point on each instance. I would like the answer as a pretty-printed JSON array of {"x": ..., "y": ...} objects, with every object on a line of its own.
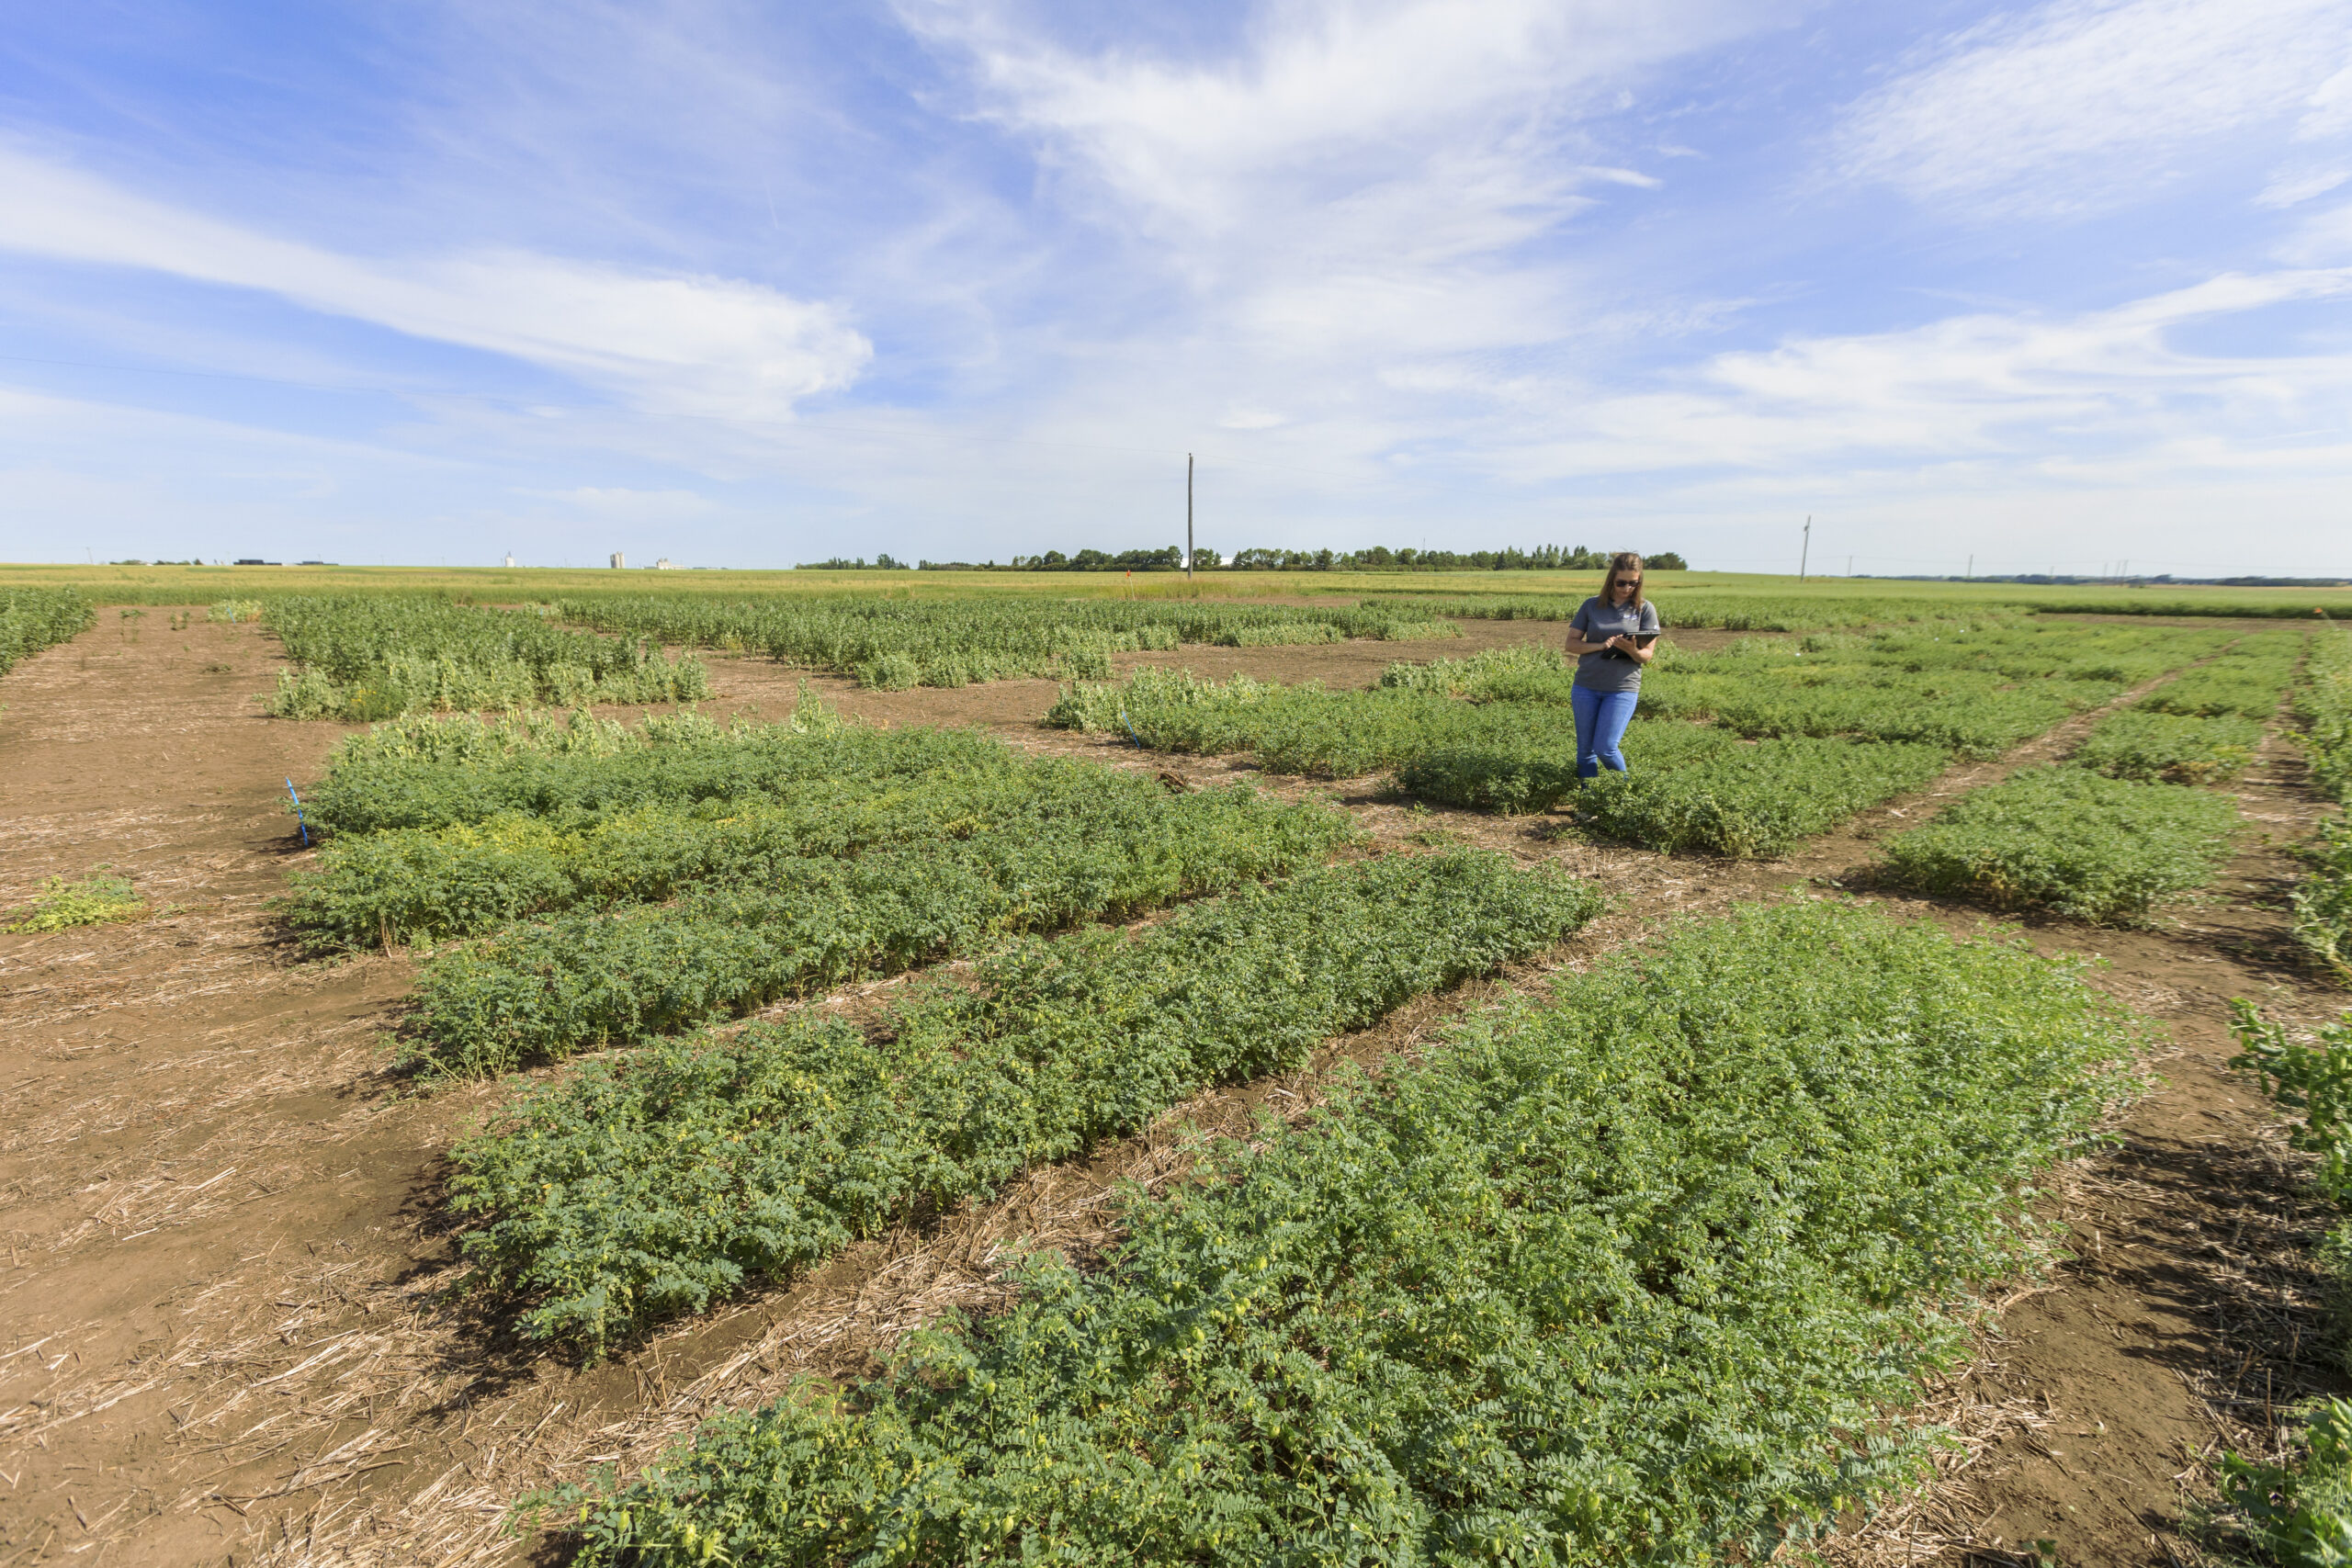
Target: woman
[{"x": 1612, "y": 636}]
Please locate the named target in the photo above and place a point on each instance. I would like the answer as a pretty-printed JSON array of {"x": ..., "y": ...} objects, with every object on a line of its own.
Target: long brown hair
[{"x": 1623, "y": 560}]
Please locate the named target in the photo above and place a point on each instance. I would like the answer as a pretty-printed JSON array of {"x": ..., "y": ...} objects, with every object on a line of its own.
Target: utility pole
[
  {"x": 1849, "y": 565},
  {"x": 1188, "y": 517},
  {"x": 1971, "y": 569},
  {"x": 1807, "y": 556}
]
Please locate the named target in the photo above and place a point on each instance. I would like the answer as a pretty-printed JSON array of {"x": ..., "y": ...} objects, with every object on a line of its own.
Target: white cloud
[
  {"x": 2324, "y": 239},
  {"x": 1252, "y": 419},
  {"x": 1343, "y": 191},
  {"x": 2292, "y": 186},
  {"x": 691, "y": 343},
  {"x": 616, "y": 502},
  {"x": 1317, "y": 84},
  {"x": 2099, "y": 388},
  {"x": 2091, "y": 104},
  {"x": 2328, "y": 111}
]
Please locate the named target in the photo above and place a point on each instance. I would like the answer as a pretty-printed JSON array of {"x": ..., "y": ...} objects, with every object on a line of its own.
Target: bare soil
[{"x": 227, "y": 1332}]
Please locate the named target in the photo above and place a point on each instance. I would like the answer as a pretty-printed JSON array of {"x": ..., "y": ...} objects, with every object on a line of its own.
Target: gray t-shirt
[{"x": 1611, "y": 670}]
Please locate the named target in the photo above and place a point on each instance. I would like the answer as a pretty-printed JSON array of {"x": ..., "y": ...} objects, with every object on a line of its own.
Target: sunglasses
[{"x": 1625, "y": 582}]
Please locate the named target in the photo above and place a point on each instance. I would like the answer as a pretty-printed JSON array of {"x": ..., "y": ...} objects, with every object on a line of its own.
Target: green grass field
[
  {"x": 1640, "y": 1257},
  {"x": 491, "y": 585}
]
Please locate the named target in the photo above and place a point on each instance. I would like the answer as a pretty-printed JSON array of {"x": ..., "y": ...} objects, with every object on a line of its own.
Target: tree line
[{"x": 1379, "y": 557}]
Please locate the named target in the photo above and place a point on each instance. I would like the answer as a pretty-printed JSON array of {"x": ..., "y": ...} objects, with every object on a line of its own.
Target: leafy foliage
[
  {"x": 2298, "y": 1515},
  {"x": 412, "y": 885},
  {"x": 363, "y": 656},
  {"x": 1305, "y": 728},
  {"x": 438, "y": 773},
  {"x": 1973, "y": 688},
  {"x": 2323, "y": 703},
  {"x": 2171, "y": 748},
  {"x": 2070, "y": 841},
  {"x": 1840, "y": 723},
  {"x": 35, "y": 618},
  {"x": 777, "y": 923},
  {"x": 639, "y": 1188},
  {"x": 1697, "y": 609},
  {"x": 2313, "y": 1076},
  {"x": 1637, "y": 1274},
  {"x": 895, "y": 643},
  {"x": 2246, "y": 679},
  {"x": 2323, "y": 899},
  {"x": 1750, "y": 800},
  {"x": 96, "y": 899},
  {"x": 633, "y": 881}
]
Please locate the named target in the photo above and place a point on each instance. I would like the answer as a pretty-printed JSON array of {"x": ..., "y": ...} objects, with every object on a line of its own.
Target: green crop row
[
  {"x": 642, "y": 1187},
  {"x": 897, "y": 643},
  {"x": 2246, "y": 679},
  {"x": 1693, "y": 789},
  {"x": 1839, "y": 723},
  {"x": 2298, "y": 1515},
  {"x": 2323, "y": 899},
  {"x": 437, "y": 772},
  {"x": 1976, "y": 689},
  {"x": 2323, "y": 704},
  {"x": 425, "y": 885},
  {"x": 1767, "y": 612},
  {"x": 2070, "y": 841},
  {"x": 1751, "y": 800},
  {"x": 2015, "y": 651},
  {"x": 2137, "y": 744},
  {"x": 1646, "y": 1272},
  {"x": 1307, "y": 728},
  {"x": 2204, "y": 726},
  {"x": 797, "y": 924},
  {"x": 360, "y": 657},
  {"x": 35, "y": 618},
  {"x": 1697, "y": 609}
]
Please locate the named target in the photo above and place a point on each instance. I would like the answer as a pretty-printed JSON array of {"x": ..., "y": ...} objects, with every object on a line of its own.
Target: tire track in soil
[{"x": 327, "y": 1408}]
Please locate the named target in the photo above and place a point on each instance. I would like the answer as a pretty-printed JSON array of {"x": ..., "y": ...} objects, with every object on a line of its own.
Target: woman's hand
[{"x": 1632, "y": 651}]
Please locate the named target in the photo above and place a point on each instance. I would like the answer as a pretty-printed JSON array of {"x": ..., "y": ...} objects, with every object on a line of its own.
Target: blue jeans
[{"x": 1601, "y": 718}]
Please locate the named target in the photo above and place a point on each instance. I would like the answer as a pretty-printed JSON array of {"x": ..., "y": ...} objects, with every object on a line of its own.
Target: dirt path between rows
[{"x": 221, "y": 1318}]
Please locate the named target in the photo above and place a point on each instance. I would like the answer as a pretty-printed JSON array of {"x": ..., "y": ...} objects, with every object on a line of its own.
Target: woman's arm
[
  {"x": 1630, "y": 648},
  {"x": 1649, "y": 628}
]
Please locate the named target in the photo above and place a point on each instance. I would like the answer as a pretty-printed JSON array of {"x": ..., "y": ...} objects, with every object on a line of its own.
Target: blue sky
[{"x": 2050, "y": 287}]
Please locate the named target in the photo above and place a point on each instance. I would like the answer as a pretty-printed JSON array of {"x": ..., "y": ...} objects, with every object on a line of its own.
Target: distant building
[
  {"x": 666, "y": 564},
  {"x": 510, "y": 560},
  {"x": 619, "y": 560}
]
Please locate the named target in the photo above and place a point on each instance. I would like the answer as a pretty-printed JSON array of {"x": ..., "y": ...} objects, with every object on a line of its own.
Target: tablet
[{"x": 1641, "y": 639}]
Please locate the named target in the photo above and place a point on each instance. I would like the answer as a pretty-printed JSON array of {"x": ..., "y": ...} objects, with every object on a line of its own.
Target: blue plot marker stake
[
  {"x": 1122, "y": 719},
  {"x": 299, "y": 823}
]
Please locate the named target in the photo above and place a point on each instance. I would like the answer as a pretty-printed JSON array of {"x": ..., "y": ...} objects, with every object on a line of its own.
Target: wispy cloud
[
  {"x": 2006, "y": 387},
  {"x": 1392, "y": 268},
  {"x": 691, "y": 344},
  {"x": 2090, "y": 104}
]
